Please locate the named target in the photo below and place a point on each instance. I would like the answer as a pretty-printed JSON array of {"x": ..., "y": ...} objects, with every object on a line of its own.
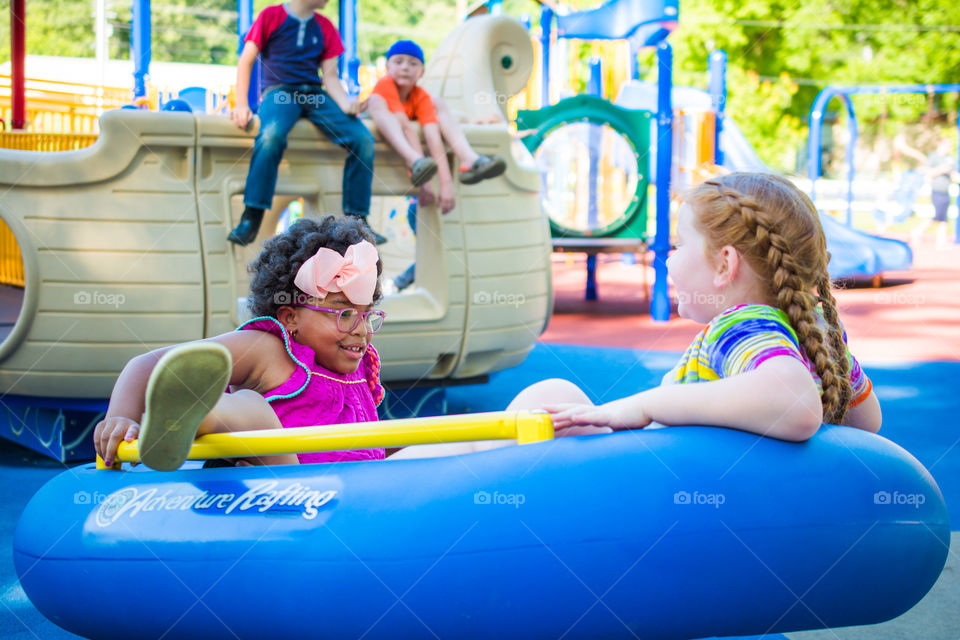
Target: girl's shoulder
[{"x": 263, "y": 355}]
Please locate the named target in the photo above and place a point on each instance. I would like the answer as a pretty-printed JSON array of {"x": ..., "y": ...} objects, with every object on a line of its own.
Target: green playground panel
[{"x": 632, "y": 124}]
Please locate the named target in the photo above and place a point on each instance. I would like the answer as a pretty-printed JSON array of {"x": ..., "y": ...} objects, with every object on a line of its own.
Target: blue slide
[
  {"x": 853, "y": 253},
  {"x": 649, "y": 21}
]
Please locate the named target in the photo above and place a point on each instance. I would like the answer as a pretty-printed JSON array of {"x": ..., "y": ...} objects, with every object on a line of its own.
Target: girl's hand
[
  {"x": 108, "y": 434},
  {"x": 619, "y": 414},
  {"x": 581, "y": 431}
]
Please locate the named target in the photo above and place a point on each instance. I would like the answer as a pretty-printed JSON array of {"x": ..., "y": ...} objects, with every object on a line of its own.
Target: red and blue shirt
[{"x": 291, "y": 48}]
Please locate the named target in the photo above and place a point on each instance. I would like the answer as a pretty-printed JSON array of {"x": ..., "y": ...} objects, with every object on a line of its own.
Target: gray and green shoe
[
  {"x": 484, "y": 168},
  {"x": 184, "y": 387}
]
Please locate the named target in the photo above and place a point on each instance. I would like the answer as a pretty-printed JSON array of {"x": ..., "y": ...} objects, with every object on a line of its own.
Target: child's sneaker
[
  {"x": 483, "y": 168},
  {"x": 406, "y": 278},
  {"x": 423, "y": 169},
  {"x": 246, "y": 230},
  {"x": 184, "y": 386},
  {"x": 377, "y": 238}
]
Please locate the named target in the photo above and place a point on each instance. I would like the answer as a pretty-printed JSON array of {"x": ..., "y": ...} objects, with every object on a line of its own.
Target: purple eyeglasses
[{"x": 349, "y": 318}]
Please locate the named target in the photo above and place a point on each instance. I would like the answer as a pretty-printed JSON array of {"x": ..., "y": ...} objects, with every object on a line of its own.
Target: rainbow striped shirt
[{"x": 742, "y": 338}]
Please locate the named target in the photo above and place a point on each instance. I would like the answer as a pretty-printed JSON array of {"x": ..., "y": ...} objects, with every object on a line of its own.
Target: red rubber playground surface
[{"x": 914, "y": 316}]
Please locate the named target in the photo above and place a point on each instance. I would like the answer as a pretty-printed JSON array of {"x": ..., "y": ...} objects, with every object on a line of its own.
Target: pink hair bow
[{"x": 354, "y": 273}]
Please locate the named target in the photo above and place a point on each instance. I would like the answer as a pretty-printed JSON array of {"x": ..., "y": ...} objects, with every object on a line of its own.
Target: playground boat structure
[{"x": 124, "y": 244}]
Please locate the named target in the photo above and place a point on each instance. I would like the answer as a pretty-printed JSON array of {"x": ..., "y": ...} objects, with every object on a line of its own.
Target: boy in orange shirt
[{"x": 396, "y": 101}]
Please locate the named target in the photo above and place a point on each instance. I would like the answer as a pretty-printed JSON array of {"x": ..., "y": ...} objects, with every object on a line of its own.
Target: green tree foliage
[
  {"x": 53, "y": 28},
  {"x": 782, "y": 53}
]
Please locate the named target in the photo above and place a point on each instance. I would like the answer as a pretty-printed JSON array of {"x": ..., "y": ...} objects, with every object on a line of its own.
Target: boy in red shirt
[
  {"x": 396, "y": 101},
  {"x": 293, "y": 42}
]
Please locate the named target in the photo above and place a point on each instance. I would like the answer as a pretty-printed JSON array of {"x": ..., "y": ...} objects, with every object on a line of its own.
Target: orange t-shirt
[{"x": 418, "y": 106}]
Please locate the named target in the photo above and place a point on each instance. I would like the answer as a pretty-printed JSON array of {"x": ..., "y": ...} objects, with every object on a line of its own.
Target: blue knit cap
[{"x": 405, "y": 47}]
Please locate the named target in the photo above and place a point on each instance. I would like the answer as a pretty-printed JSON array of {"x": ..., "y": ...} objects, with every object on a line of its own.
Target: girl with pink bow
[{"x": 304, "y": 359}]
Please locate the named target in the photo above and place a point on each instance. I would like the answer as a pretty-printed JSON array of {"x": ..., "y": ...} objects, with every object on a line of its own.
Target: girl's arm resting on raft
[
  {"x": 866, "y": 415},
  {"x": 777, "y": 399}
]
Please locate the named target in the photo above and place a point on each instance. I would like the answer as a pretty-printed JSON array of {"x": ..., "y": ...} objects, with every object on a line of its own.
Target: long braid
[
  {"x": 837, "y": 345},
  {"x": 758, "y": 234}
]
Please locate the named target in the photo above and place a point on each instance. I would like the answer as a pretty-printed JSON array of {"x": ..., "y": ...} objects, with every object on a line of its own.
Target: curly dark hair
[{"x": 272, "y": 273}]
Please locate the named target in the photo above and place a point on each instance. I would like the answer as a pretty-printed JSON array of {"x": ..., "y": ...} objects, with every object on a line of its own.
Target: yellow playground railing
[
  {"x": 523, "y": 426},
  {"x": 57, "y": 109},
  {"x": 11, "y": 260},
  {"x": 29, "y": 141}
]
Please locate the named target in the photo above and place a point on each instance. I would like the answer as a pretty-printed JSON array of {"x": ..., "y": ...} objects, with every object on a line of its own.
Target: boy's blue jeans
[{"x": 280, "y": 108}]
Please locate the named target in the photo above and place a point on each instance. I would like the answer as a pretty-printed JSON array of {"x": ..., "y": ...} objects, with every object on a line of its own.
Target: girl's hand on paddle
[
  {"x": 583, "y": 430},
  {"x": 110, "y": 432},
  {"x": 619, "y": 414}
]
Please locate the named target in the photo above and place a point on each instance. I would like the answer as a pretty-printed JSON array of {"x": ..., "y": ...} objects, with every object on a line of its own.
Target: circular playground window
[{"x": 589, "y": 175}]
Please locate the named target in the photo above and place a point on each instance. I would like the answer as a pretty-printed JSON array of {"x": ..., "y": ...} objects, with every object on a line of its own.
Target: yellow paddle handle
[{"x": 523, "y": 426}]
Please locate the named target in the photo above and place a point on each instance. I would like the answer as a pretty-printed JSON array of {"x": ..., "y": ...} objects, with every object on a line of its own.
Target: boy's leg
[
  {"x": 423, "y": 168},
  {"x": 453, "y": 134},
  {"x": 350, "y": 133},
  {"x": 278, "y": 113},
  {"x": 391, "y": 128},
  {"x": 473, "y": 167},
  {"x": 410, "y": 133}
]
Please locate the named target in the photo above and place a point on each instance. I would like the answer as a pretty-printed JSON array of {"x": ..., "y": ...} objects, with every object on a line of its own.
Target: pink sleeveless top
[{"x": 314, "y": 395}]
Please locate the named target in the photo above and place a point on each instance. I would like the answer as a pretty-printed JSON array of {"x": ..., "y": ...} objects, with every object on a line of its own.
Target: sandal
[
  {"x": 423, "y": 169},
  {"x": 483, "y": 168},
  {"x": 184, "y": 386}
]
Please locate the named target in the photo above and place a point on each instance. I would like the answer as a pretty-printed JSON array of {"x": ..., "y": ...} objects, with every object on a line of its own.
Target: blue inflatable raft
[{"x": 665, "y": 533}]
